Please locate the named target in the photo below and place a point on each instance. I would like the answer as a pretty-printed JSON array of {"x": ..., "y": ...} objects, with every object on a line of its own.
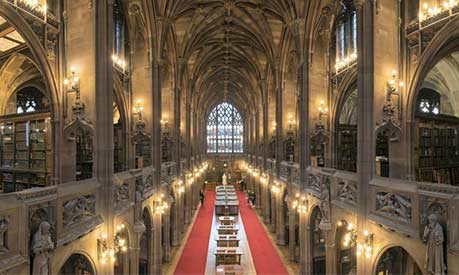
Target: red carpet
[
  {"x": 264, "y": 255},
  {"x": 194, "y": 255}
]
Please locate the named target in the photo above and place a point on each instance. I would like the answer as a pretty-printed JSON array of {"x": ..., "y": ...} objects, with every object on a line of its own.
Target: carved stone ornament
[
  {"x": 121, "y": 195},
  {"x": 389, "y": 124},
  {"x": 314, "y": 182},
  {"x": 42, "y": 248},
  {"x": 3, "y": 235},
  {"x": 347, "y": 190},
  {"x": 434, "y": 238},
  {"x": 394, "y": 205},
  {"x": 79, "y": 210},
  {"x": 78, "y": 122},
  {"x": 325, "y": 206}
]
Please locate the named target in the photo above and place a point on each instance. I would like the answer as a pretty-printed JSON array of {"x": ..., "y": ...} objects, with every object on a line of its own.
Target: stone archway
[
  {"x": 78, "y": 264},
  {"x": 396, "y": 260},
  {"x": 318, "y": 239},
  {"x": 145, "y": 255}
]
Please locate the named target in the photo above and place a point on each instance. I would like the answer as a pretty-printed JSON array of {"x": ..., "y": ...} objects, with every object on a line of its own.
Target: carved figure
[
  {"x": 224, "y": 182},
  {"x": 325, "y": 201},
  {"x": 433, "y": 236},
  {"x": 394, "y": 205},
  {"x": 42, "y": 247},
  {"x": 3, "y": 232}
]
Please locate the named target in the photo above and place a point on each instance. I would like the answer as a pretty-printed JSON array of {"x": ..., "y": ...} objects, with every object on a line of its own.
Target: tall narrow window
[{"x": 225, "y": 130}]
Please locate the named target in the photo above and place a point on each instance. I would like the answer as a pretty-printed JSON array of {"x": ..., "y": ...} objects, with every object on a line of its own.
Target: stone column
[
  {"x": 156, "y": 258},
  {"x": 330, "y": 252},
  {"x": 292, "y": 238},
  {"x": 266, "y": 203},
  {"x": 303, "y": 131},
  {"x": 166, "y": 234},
  {"x": 156, "y": 120},
  {"x": 134, "y": 253},
  {"x": 273, "y": 211},
  {"x": 104, "y": 120},
  {"x": 365, "y": 92},
  {"x": 174, "y": 220},
  {"x": 280, "y": 218},
  {"x": 279, "y": 129}
]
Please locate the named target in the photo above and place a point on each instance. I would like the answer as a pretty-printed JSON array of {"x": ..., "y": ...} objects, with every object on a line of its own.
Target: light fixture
[
  {"x": 105, "y": 251},
  {"x": 161, "y": 205},
  {"x": 366, "y": 246},
  {"x": 35, "y": 5},
  {"x": 428, "y": 12}
]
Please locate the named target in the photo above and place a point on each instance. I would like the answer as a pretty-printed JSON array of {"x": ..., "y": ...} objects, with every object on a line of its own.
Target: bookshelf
[{"x": 25, "y": 152}]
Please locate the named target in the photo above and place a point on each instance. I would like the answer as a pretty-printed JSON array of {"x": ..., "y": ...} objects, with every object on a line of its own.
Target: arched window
[
  {"x": 30, "y": 100},
  {"x": 346, "y": 35},
  {"x": 119, "y": 33},
  {"x": 225, "y": 130},
  {"x": 429, "y": 102}
]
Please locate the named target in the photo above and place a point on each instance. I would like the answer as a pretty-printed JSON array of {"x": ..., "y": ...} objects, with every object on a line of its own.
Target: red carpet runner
[
  {"x": 264, "y": 255},
  {"x": 194, "y": 255}
]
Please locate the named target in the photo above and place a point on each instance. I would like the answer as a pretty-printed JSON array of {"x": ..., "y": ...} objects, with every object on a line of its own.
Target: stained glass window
[
  {"x": 225, "y": 130},
  {"x": 30, "y": 100},
  {"x": 346, "y": 32}
]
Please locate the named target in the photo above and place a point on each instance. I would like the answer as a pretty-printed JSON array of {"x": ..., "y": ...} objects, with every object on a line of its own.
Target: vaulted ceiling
[{"x": 227, "y": 46}]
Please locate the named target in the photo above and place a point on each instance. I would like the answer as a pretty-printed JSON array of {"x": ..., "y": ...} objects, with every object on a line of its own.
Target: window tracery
[
  {"x": 30, "y": 100},
  {"x": 225, "y": 130}
]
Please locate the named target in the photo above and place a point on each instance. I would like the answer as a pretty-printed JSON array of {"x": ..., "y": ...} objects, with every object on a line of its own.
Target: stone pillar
[
  {"x": 273, "y": 211},
  {"x": 280, "y": 218},
  {"x": 258, "y": 194},
  {"x": 134, "y": 253},
  {"x": 266, "y": 202},
  {"x": 330, "y": 252},
  {"x": 292, "y": 238},
  {"x": 156, "y": 258},
  {"x": 365, "y": 91},
  {"x": 188, "y": 200},
  {"x": 174, "y": 220},
  {"x": 304, "y": 156},
  {"x": 156, "y": 120},
  {"x": 166, "y": 234},
  {"x": 103, "y": 137}
]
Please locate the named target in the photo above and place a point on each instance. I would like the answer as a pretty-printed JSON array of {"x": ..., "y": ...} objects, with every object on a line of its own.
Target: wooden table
[
  {"x": 227, "y": 241},
  {"x": 229, "y": 270},
  {"x": 227, "y": 229},
  {"x": 228, "y": 256},
  {"x": 227, "y": 208},
  {"x": 227, "y": 220}
]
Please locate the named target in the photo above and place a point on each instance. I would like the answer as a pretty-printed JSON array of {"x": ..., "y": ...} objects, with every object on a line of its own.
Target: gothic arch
[
  {"x": 84, "y": 255},
  {"x": 387, "y": 247}
]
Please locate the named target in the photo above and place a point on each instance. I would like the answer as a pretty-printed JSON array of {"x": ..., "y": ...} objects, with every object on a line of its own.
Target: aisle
[
  {"x": 264, "y": 255},
  {"x": 194, "y": 255}
]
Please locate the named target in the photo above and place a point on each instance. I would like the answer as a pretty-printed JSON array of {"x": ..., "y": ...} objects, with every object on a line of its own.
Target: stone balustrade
[{"x": 395, "y": 205}]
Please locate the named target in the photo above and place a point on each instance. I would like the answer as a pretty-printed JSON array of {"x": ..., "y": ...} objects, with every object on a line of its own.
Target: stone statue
[
  {"x": 3, "y": 238},
  {"x": 434, "y": 238},
  {"x": 224, "y": 179},
  {"x": 42, "y": 247},
  {"x": 325, "y": 201}
]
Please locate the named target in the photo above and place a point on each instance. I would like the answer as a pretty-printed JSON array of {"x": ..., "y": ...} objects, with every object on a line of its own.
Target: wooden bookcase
[
  {"x": 437, "y": 149},
  {"x": 25, "y": 151}
]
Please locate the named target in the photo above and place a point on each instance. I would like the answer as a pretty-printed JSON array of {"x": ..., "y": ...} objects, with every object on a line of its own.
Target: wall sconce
[
  {"x": 274, "y": 127},
  {"x": 300, "y": 204},
  {"x": 323, "y": 110},
  {"x": 165, "y": 122},
  {"x": 263, "y": 179},
  {"x": 162, "y": 205},
  {"x": 350, "y": 238},
  {"x": 366, "y": 246},
  {"x": 119, "y": 245},
  {"x": 138, "y": 108},
  {"x": 72, "y": 84},
  {"x": 291, "y": 122}
]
